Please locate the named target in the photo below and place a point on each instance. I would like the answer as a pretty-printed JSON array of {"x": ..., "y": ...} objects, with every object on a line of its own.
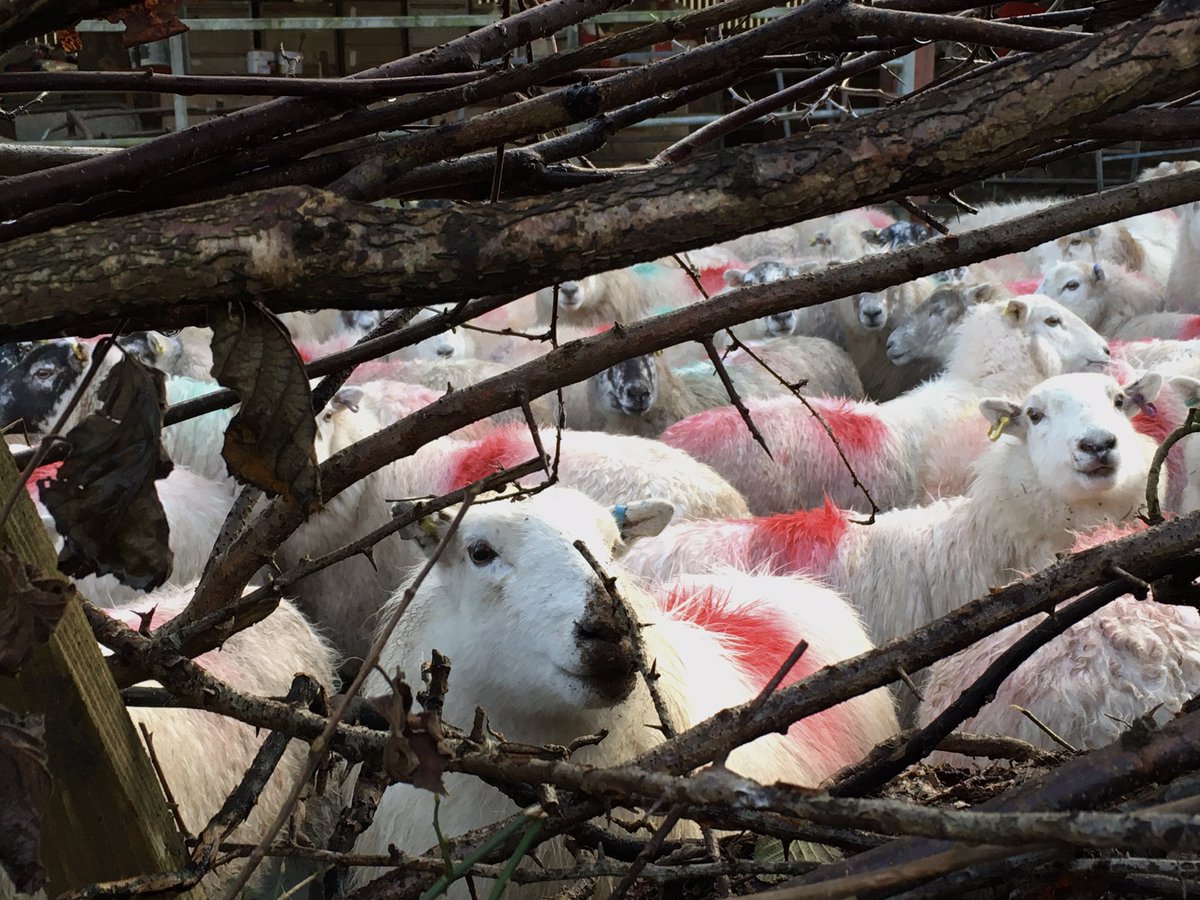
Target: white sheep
[
  {"x": 322, "y": 325},
  {"x": 204, "y": 755},
  {"x": 622, "y": 295},
  {"x": 437, "y": 374},
  {"x": 391, "y": 401},
  {"x": 195, "y": 508},
  {"x": 1184, "y": 277},
  {"x": 1144, "y": 245},
  {"x": 1088, "y": 685},
  {"x": 1068, "y": 459},
  {"x": 533, "y": 638},
  {"x": 815, "y": 321},
  {"x": 1104, "y": 295},
  {"x": 919, "y": 443},
  {"x": 1170, "y": 326},
  {"x": 606, "y": 467},
  {"x": 803, "y": 238}
]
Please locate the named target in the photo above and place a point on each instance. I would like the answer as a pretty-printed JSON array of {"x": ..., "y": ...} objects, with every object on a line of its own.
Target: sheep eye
[
  {"x": 1053, "y": 321},
  {"x": 328, "y": 417},
  {"x": 1075, "y": 242},
  {"x": 1034, "y": 415},
  {"x": 1071, "y": 286},
  {"x": 481, "y": 553},
  {"x": 1119, "y": 401}
]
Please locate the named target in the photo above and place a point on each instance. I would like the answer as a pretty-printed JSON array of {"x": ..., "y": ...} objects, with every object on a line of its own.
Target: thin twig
[
  {"x": 715, "y": 358},
  {"x": 172, "y": 803},
  {"x": 1046, "y": 729},
  {"x": 1190, "y": 426},
  {"x": 651, "y": 850}
]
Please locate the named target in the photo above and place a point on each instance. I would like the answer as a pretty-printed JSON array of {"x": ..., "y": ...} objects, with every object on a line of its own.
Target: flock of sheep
[{"x": 1075, "y": 358}]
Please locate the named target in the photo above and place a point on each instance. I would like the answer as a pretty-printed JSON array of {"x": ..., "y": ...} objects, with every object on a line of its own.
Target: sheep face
[
  {"x": 630, "y": 387},
  {"x": 31, "y": 390},
  {"x": 925, "y": 334},
  {"x": 153, "y": 349},
  {"x": 1078, "y": 434},
  {"x": 870, "y": 309},
  {"x": 575, "y": 298},
  {"x": 450, "y": 344},
  {"x": 363, "y": 320},
  {"x": 777, "y": 324},
  {"x": 1062, "y": 340},
  {"x": 527, "y": 619},
  {"x": 1076, "y": 286}
]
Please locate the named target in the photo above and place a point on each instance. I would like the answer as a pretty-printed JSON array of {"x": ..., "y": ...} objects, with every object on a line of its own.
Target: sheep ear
[
  {"x": 348, "y": 398},
  {"x": 426, "y": 533},
  {"x": 1004, "y": 417},
  {"x": 981, "y": 293},
  {"x": 1093, "y": 232},
  {"x": 1097, "y": 272},
  {"x": 734, "y": 277},
  {"x": 1141, "y": 394},
  {"x": 1187, "y": 388},
  {"x": 1017, "y": 311},
  {"x": 873, "y": 236},
  {"x": 642, "y": 518}
]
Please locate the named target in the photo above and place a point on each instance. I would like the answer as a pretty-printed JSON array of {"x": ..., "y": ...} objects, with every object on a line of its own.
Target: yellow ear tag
[
  {"x": 80, "y": 352},
  {"x": 998, "y": 429},
  {"x": 428, "y": 526}
]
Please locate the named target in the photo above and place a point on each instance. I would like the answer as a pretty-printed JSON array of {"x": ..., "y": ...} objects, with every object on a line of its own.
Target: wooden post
[{"x": 108, "y": 817}]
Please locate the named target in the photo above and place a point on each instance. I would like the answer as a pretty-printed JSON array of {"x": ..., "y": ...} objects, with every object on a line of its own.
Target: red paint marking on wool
[
  {"x": 504, "y": 447},
  {"x": 877, "y": 218},
  {"x": 854, "y": 428},
  {"x": 706, "y": 434},
  {"x": 1024, "y": 286},
  {"x": 712, "y": 278},
  {"x": 759, "y": 645},
  {"x": 1190, "y": 329},
  {"x": 802, "y": 541},
  {"x": 47, "y": 472}
]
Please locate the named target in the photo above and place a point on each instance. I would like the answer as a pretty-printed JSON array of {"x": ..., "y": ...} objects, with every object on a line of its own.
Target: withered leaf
[
  {"x": 150, "y": 20},
  {"x": 103, "y": 501},
  {"x": 269, "y": 443},
  {"x": 30, "y": 606},
  {"x": 25, "y": 787},
  {"x": 415, "y": 751}
]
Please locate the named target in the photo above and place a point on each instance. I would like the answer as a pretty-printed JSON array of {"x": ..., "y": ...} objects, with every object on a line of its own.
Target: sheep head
[
  {"x": 32, "y": 389},
  {"x": 1078, "y": 436},
  {"x": 1061, "y": 340},
  {"x": 521, "y": 611},
  {"x": 630, "y": 387}
]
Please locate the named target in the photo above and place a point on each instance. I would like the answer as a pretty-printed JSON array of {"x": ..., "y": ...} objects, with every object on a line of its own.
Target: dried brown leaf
[
  {"x": 150, "y": 20},
  {"x": 103, "y": 499},
  {"x": 25, "y": 787},
  {"x": 415, "y": 751},
  {"x": 30, "y": 606},
  {"x": 269, "y": 443}
]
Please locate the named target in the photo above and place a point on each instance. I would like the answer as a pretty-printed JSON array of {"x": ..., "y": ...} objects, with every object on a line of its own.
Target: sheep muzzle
[{"x": 608, "y": 661}]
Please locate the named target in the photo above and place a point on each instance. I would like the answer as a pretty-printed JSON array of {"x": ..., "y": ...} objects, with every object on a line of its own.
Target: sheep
[
  {"x": 868, "y": 319},
  {"x": 620, "y": 295},
  {"x": 439, "y": 374},
  {"x": 188, "y": 353},
  {"x": 791, "y": 241},
  {"x": 455, "y": 343},
  {"x": 343, "y": 598},
  {"x": 606, "y": 467},
  {"x": 1104, "y": 295},
  {"x": 928, "y": 332},
  {"x": 195, "y": 508},
  {"x": 322, "y": 325},
  {"x": 1069, "y": 459},
  {"x": 390, "y": 401},
  {"x": 534, "y": 639},
  {"x": 1130, "y": 658},
  {"x": 920, "y": 443},
  {"x": 643, "y": 395},
  {"x": 1174, "y": 326},
  {"x": 204, "y": 755},
  {"x": 1185, "y": 270},
  {"x": 1133, "y": 243},
  {"x": 815, "y": 321}
]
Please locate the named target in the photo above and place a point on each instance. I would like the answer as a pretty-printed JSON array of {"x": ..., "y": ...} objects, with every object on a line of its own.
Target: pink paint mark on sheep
[
  {"x": 706, "y": 432},
  {"x": 504, "y": 447},
  {"x": 855, "y": 428},
  {"x": 712, "y": 278},
  {"x": 760, "y": 648},
  {"x": 805, "y": 541},
  {"x": 1190, "y": 330},
  {"x": 47, "y": 472},
  {"x": 877, "y": 218},
  {"x": 213, "y": 661},
  {"x": 1024, "y": 286}
]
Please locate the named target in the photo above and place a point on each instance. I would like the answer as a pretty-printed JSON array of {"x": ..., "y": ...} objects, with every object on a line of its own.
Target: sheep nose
[
  {"x": 872, "y": 318},
  {"x": 1099, "y": 445},
  {"x": 637, "y": 398},
  {"x": 568, "y": 291},
  {"x": 606, "y": 654},
  {"x": 445, "y": 350}
]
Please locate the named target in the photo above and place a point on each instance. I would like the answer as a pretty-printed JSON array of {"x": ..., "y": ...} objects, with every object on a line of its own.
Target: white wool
[
  {"x": 511, "y": 627},
  {"x": 1104, "y": 295},
  {"x": 1089, "y": 684},
  {"x": 868, "y": 320},
  {"x": 619, "y": 295},
  {"x": 1183, "y": 283},
  {"x": 930, "y": 434},
  {"x": 1031, "y": 494},
  {"x": 204, "y": 755},
  {"x": 1143, "y": 245}
]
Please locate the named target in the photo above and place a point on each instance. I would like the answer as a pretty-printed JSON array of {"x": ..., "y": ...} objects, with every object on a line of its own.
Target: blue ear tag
[
  {"x": 618, "y": 513},
  {"x": 1144, "y": 405},
  {"x": 646, "y": 268}
]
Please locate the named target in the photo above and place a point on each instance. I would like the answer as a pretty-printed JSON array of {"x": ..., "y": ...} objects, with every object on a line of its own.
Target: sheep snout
[
  {"x": 607, "y": 659},
  {"x": 781, "y": 324},
  {"x": 569, "y": 294},
  {"x": 1097, "y": 453}
]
